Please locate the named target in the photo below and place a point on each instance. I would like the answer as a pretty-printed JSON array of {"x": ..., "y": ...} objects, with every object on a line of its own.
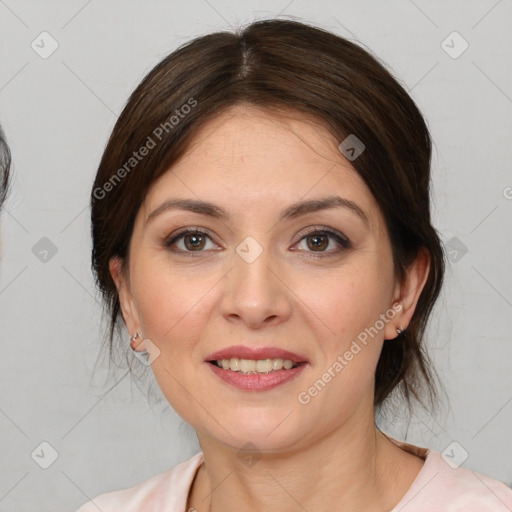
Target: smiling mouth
[{"x": 255, "y": 366}]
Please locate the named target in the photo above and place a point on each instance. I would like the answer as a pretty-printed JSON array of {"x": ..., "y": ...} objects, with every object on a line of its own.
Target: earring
[
  {"x": 399, "y": 330},
  {"x": 134, "y": 344},
  {"x": 150, "y": 352}
]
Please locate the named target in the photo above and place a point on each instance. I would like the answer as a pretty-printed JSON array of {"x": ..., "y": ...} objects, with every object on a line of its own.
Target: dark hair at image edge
[
  {"x": 5, "y": 166},
  {"x": 283, "y": 67}
]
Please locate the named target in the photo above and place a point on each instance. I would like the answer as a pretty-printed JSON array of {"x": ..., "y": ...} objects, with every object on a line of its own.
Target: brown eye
[
  {"x": 188, "y": 241},
  {"x": 319, "y": 240},
  {"x": 194, "y": 241}
]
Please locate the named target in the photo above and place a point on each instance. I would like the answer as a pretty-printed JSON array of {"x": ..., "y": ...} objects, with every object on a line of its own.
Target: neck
[{"x": 354, "y": 465}]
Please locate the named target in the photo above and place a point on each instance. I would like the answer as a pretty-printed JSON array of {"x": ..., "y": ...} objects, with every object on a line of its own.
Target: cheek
[
  {"x": 174, "y": 306},
  {"x": 346, "y": 309},
  {"x": 175, "y": 311},
  {"x": 348, "y": 301}
]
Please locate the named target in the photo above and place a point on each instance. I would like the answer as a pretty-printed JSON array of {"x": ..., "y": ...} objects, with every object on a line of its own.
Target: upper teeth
[{"x": 251, "y": 365}]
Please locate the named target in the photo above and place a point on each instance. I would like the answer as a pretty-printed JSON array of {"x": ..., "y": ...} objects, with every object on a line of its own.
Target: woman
[{"x": 261, "y": 226}]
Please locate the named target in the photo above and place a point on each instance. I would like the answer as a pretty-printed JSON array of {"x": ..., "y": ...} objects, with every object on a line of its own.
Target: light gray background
[{"x": 58, "y": 113}]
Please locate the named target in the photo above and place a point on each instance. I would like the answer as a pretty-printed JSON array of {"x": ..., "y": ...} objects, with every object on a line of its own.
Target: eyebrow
[{"x": 291, "y": 212}]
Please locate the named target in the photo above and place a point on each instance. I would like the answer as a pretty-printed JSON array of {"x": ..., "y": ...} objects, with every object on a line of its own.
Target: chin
[{"x": 259, "y": 427}]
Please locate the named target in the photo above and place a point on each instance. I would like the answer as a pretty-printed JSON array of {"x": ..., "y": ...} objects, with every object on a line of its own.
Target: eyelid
[
  {"x": 327, "y": 230},
  {"x": 343, "y": 242},
  {"x": 174, "y": 236}
]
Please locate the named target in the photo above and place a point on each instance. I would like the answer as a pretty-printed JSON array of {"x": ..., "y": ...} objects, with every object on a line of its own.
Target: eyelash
[{"x": 324, "y": 230}]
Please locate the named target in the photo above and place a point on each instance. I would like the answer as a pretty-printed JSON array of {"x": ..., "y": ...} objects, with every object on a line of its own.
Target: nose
[{"x": 255, "y": 292}]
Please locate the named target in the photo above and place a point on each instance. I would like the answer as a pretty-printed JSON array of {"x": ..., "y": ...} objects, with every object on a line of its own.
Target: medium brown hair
[{"x": 283, "y": 66}]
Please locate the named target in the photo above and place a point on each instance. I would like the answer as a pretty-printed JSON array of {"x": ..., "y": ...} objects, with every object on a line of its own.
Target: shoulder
[
  {"x": 441, "y": 485},
  {"x": 166, "y": 491}
]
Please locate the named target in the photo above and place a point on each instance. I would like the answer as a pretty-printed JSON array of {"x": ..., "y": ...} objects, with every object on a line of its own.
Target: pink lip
[
  {"x": 255, "y": 382},
  {"x": 243, "y": 352}
]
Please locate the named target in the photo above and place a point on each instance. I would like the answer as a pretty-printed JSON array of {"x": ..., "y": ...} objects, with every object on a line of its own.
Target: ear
[
  {"x": 408, "y": 293},
  {"x": 128, "y": 309}
]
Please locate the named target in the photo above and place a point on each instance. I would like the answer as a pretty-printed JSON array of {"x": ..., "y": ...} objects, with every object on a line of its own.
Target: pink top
[{"x": 438, "y": 487}]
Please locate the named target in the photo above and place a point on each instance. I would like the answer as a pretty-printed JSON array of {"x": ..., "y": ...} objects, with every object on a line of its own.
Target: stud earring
[{"x": 134, "y": 344}]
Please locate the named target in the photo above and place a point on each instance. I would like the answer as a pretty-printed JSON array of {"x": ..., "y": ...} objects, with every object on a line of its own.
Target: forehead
[
  {"x": 250, "y": 157},
  {"x": 245, "y": 133}
]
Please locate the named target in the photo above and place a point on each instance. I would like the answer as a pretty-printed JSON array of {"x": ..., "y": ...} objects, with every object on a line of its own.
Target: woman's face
[{"x": 268, "y": 274}]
